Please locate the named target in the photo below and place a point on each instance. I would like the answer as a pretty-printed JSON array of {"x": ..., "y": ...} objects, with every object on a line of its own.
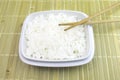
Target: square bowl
[{"x": 88, "y": 31}]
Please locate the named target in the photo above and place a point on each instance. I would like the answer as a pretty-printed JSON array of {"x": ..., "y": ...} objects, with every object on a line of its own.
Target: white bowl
[{"x": 89, "y": 32}]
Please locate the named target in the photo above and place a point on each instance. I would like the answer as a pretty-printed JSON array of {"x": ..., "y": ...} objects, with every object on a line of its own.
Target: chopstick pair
[{"x": 87, "y": 20}]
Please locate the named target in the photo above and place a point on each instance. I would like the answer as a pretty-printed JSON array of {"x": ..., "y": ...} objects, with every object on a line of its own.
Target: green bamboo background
[{"x": 105, "y": 64}]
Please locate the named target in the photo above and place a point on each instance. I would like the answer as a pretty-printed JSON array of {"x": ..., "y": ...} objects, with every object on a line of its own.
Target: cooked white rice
[{"x": 46, "y": 40}]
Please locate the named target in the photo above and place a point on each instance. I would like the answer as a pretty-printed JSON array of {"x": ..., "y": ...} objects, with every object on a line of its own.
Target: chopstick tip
[
  {"x": 60, "y": 24},
  {"x": 66, "y": 29}
]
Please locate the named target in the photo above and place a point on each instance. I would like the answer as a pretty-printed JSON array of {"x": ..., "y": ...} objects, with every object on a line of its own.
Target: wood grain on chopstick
[
  {"x": 103, "y": 21},
  {"x": 93, "y": 22},
  {"x": 90, "y": 17}
]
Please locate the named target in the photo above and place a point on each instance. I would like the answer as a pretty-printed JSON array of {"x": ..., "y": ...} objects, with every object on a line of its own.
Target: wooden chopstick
[
  {"x": 94, "y": 22},
  {"x": 90, "y": 17},
  {"x": 102, "y": 21}
]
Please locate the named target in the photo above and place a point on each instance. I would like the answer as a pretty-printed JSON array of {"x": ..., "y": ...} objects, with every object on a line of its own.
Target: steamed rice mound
[{"x": 46, "y": 40}]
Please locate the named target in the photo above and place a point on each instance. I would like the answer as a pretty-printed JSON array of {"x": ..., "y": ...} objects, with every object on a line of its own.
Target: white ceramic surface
[{"x": 62, "y": 63}]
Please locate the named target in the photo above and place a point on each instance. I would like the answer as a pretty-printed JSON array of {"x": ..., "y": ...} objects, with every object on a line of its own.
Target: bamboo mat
[{"x": 105, "y": 64}]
